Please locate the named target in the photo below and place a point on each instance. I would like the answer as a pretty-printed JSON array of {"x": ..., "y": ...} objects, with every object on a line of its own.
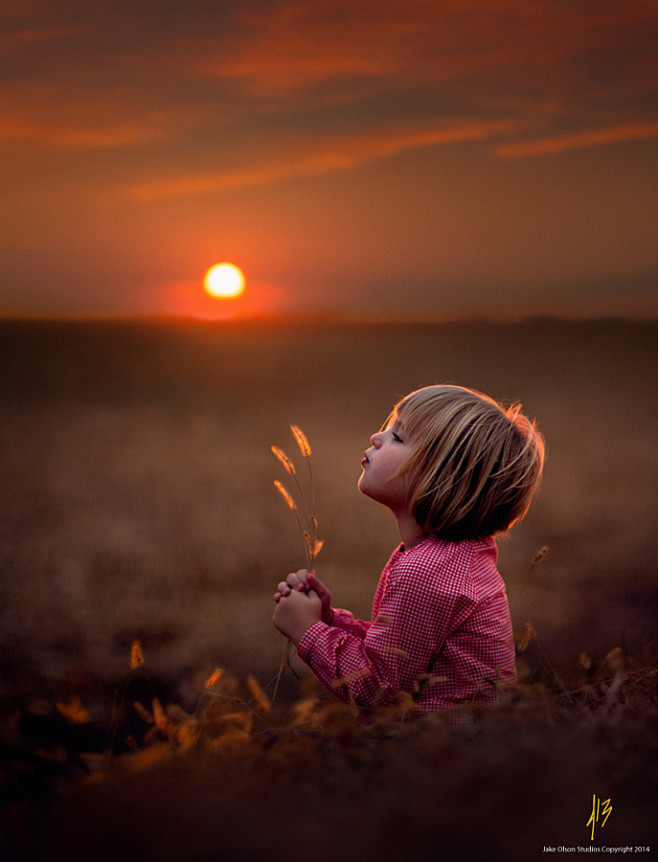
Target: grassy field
[{"x": 136, "y": 501}]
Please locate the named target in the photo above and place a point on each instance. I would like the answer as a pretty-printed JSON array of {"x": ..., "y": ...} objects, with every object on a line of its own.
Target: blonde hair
[{"x": 475, "y": 464}]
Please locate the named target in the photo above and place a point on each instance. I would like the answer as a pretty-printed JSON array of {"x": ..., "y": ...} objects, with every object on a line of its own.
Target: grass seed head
[
  {"x": 143, "y": 712},
  {"x": 615, "y": 659},
  {"x": 263, "y": 704},
  {"x": 136, "y": 654},
  {"x": 302, "y": 440},
  {"x": 524, "y": 637},
  {"x": 214, "y": 678},
  {"x": 355, "y": 675},
  {"x": 314, "y": 545},
  {"x": 287, "y": 462},
  {"x": 584, "y": 661},
  {"x": 304, "y": 711},
  {"x": 159, "y": 715},
  {"x": 287, "y": 496},
  {"x": 74, "y": 711}
]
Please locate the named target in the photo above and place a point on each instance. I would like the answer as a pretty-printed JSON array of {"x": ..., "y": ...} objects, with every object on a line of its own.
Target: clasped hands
[{"x": 301, "y": 600}]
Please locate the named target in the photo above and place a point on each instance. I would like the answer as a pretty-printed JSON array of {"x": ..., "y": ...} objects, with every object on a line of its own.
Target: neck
[{"x": 410, "y": 532}]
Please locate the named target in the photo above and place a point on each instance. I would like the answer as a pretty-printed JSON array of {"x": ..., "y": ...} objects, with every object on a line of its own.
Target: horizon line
[{"x": 323, "y": 318}]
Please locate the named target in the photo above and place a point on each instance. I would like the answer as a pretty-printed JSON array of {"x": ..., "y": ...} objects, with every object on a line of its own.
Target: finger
[
  {"x": 301, "y": 577},
  {"x": 297, "y": 582},
  {"x": 283, "y": 588},
  {"x": 307, "y": 577},
  {"x": 317, "y": 585}
]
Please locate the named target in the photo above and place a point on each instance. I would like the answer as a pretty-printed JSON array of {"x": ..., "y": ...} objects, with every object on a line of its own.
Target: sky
[{"x": 371, "y": 159}]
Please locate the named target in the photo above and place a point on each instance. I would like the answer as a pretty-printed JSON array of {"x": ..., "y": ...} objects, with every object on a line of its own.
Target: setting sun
[{"x": 224, "y": 281}]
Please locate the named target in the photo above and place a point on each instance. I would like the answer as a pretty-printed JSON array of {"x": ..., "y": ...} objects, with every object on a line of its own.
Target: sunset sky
[{"x": 367, "y": 158}]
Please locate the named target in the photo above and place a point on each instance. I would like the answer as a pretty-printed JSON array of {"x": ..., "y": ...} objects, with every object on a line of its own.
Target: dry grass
[
  {"x": 240, "y": 778},
  {"x": 136, "y": 502}
]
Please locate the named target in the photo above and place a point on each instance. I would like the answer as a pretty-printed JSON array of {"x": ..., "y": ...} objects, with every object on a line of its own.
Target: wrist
[{"x": 299, "y": 632}]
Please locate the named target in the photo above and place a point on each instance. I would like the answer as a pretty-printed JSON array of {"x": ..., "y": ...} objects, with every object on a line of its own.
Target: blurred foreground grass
[{"x": 234, "y": 777}]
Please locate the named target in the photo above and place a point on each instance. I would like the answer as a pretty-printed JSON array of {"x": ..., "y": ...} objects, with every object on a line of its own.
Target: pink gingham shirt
[{"x": 440, "y": 630}]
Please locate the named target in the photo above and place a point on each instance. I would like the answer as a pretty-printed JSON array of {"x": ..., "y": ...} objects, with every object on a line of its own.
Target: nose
[{"x": 376, "y": 440}]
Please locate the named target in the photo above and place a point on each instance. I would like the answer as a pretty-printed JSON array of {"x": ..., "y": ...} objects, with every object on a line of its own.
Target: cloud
[
  {"x": 297, "y": 45},
  {"x": 577, "y": 140},
  {"x": 547, "y": 63},
  {"x": 19, "y": 39},
  {"x": 112, "y": 136},
  {"x": 129, "y": 75},
  {"x": 68, "y": 116},
  {"x": 338, "y": 154},
  {"x": 479, "y": 48}
]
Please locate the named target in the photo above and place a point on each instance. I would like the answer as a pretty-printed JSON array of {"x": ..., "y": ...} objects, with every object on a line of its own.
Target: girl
[{"x": 456, "y": 469}]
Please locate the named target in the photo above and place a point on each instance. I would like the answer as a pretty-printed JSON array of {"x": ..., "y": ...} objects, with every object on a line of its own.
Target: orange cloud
[
  {"x": 577, "y": 140},
  {"x": 22, "y": 38},
  {"x": 296, "y": 45},
  {"x": 341, "y": 153},
  {"x": 112, "y": 136},
  {"x": 468, "y": 57},
  {"x": 480, "y": 47},
  {"x": 52, "y": 114}
]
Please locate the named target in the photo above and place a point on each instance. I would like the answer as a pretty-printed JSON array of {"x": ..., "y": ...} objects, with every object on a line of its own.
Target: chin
[
  {"x": 363, "y": 488},
  {"x": 360, "y": 485}
]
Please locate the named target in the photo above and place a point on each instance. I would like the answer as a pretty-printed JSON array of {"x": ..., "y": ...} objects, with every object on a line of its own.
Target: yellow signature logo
[{"x": 600, "y": 809}]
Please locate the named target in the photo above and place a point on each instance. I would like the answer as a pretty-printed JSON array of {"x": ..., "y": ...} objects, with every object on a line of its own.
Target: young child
[{"x": 456, "y": 469}]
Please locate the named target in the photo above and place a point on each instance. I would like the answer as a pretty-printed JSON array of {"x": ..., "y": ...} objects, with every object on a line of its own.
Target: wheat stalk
[
  {"x": 308, "y": 527},
  {"x": 136, "y": 654},
  {"x": 305, "y": 449},
  {"x": 309, "y": 530},
  {"x": 536, "y": 560}
]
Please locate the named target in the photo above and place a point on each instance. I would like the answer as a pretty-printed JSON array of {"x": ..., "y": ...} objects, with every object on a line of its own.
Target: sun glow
[{"x": 224, "y": 281}]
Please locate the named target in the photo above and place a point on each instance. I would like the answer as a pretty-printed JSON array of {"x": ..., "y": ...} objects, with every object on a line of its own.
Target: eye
[{"x": 397, "y": 437}]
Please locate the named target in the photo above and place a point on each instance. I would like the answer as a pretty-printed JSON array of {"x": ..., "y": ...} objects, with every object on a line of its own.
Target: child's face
[{"x": 381, "y": 479}]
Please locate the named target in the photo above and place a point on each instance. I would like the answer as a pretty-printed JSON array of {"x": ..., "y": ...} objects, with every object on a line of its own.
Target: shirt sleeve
[
  {"x": 346, "y": 621},
  {"x": 412, "y": 623}
]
